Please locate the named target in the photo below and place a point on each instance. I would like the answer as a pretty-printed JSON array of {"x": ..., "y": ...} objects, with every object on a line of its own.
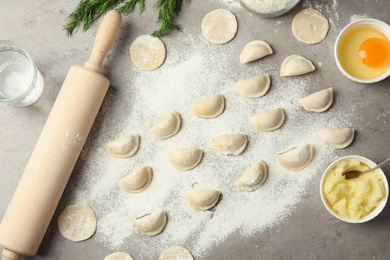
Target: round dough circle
[
  {"x": 118, "y": 256},
  {"x": 219, "y": 26},
  {"x": 176, "y": 253},
  {"x": 147, "y": 52},
  {"x": 77, "y": 222},
  {"x": 310, "y": 26}
]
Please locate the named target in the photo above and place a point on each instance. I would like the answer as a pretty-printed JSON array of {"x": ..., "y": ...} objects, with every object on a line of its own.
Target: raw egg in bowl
[{"x": 362, "y": 51}]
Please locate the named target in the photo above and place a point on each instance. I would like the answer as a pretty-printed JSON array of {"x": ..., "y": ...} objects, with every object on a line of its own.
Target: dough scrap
[
  {"x": 219, "y": 26},
  {"x": 230, "y": 144},
  {"x": 253, "y": 178},
  {"x": 166, "y": 126},
  {"x": 253, "y": 87},
  {"x": 176, "y": 253},
  {"x": 297, "y": 158},
  {"x": 151, "y": 224},
  {"x": 269, "y": 120},
  {"x": 209, "y": 107},
  {"x": 184, "y": 158},
  {"x": 310, "y": 26},
  {"x": 118, "y": 256},
  {"x": 202, "y": 199},
  {"x": 77, "y": 222},
  {"x": 337, "y": 137},
  {"x": 123, "y": 147},
  {"x": 295, "y": 65},
  {"x": 318, "y": 101},
  {"x": 147, "y": 52},
  {"x": 137, "y": 181},
  {"x": 255, "y": 50}
]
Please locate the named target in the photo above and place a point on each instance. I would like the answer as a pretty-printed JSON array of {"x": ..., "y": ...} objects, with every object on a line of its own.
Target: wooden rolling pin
[{"x": 59, "y": 145}]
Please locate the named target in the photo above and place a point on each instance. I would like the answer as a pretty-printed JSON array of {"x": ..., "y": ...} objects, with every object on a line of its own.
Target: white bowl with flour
[{"x": 270, "y": 8}]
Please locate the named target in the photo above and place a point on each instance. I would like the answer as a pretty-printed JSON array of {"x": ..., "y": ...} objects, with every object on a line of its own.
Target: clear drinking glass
[{"x": 21, "y": 83}]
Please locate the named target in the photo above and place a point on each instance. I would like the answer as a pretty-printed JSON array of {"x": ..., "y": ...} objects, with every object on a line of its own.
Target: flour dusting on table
[{"x": 185, "y": 78}]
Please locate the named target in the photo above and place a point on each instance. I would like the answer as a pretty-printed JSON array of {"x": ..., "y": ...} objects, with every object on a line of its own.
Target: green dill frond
[
  {"x": 169, "y": 10},
  {"x": 129, "y": 6},
  {"x": 88, "y": 11}
]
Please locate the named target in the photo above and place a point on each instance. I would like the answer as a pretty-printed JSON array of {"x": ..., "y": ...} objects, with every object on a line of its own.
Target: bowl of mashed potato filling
[{"x": 355, "y": 200}]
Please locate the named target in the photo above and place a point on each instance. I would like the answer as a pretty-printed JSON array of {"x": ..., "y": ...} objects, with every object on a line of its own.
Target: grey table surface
[{"x": 309, "y": 232}]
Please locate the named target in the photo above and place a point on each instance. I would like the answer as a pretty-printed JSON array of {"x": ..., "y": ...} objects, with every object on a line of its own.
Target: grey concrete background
[{"x": 310, "y": 232}]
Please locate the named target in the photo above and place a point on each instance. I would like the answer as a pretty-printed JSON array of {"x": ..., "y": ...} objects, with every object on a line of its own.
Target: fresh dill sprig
[
  {"x": 129, "y": 6},
  {"x": 169, "y": 10},
  {"x": 88, "y": 11}
]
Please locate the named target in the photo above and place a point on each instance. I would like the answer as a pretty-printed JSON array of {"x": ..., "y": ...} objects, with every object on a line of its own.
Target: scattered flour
[{"x": 200, "y": 72}]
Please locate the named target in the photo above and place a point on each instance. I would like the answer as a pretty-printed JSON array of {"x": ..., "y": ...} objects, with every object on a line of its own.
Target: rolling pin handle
[
  {"x": 105, "y": 37},
  {"x": 9, "y": 255}
]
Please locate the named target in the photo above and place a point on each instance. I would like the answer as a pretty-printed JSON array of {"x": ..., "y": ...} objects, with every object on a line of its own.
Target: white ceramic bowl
[
  {"x": 274, "y": 13},
  {"x": 376, "y": 211},
  {"x": 377, "y": 24}
]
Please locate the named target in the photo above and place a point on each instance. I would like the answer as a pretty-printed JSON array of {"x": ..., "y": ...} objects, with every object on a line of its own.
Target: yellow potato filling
[{"x": 353, "y": 198}]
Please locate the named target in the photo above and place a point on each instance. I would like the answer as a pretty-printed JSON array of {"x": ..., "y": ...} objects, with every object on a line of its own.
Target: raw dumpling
[
  {"x": 233, "y": 144},
  {"x": 255, "y": 50},
  {"x": 209, "y": 107},
  {"x": 253, "y": 178},
  {"x": 297, "y": 158},
  {"x": 137, "y": 181},
  {"x": 118, "y": 256},
  {"x": 176, "y": 253},
  {"x": 337, "y": 137},
  {"x": 77, "y": 222},
  {"x": 253, "y": 87},
  {"x": 167, "y": 126},
  {"x": 123, "y": 147},
  {"x": 269, "y": 120},
  {"x": 184, "y": 158},
  {"x": 202, "y": 199},
  {"x": 318, "y": 101},
  {"x": 151, "y": 224},
  {"x": 296, "y": 65}
]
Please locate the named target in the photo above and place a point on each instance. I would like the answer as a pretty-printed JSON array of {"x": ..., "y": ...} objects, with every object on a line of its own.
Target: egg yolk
[{"x": 375, "y": 52}]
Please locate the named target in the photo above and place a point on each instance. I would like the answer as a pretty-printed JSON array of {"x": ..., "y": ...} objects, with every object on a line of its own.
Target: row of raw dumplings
[
  {"x": 172, "y": 252},
  {"x": 232, "y": 144}
]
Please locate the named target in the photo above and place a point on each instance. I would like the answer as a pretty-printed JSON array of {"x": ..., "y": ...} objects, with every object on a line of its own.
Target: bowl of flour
[{"x": 269, "y": 8}]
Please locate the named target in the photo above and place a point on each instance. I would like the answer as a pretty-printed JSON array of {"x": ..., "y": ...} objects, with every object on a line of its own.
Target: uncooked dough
[
  {"x": 295, "y": 65},
  {"x": 202, "y": 199},
  {"x": 137, "y": 181},
  {"x": 147, "y": 52},
  {"x": 253, "y": 178},
  {"x": 310, "y": 26},
  {"x": 184, "y": 158},
  {"x": 118, "y": 256},
  {"x": 123, "y": 147},
  {"x": 337, "y": 137},
  {"x": 318, "y": 101},
  {"x": 151, "y": 224},
  {"x": 255, "y": 50},
  {"x": 297, "y": 158},
  {"x": 166, "y": 126},
  {"x": 209, "y": 107},
  {"x": 77, "y": 222},
  {"x": 253, "y": 87},
  {"x": 269, "y": 120},
  {"x": 219, "y": 26},
  {"x": 230, "y": 144},
  {"x": 176, "y": 253}
]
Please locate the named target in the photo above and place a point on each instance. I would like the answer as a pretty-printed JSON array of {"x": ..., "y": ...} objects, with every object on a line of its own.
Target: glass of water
[{"x": 21, "y": 83}]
